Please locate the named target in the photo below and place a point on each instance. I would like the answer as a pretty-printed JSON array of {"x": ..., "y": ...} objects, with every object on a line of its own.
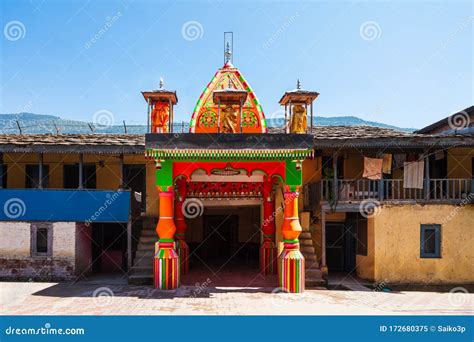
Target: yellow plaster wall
[{"x": 397, "y": 244}]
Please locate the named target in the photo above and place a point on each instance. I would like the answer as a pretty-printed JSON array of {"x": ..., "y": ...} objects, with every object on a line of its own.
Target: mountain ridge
[{"x": 45, "y": 123}]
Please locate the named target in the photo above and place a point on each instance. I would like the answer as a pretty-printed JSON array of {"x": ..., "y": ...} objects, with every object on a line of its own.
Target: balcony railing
[{"x": 347, "y": 190}]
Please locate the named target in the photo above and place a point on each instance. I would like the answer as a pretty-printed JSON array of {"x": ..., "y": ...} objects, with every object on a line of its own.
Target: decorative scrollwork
[
  {"x": 208, "y": 119},
  {"x": 249, "y": 119}
]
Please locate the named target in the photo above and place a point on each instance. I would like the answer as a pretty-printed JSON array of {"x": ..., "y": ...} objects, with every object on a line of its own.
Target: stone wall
[{"x": 17, "y": 263}]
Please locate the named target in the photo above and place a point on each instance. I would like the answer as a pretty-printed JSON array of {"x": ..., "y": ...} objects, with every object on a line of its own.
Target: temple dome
[{"x": 205, "y": 115}]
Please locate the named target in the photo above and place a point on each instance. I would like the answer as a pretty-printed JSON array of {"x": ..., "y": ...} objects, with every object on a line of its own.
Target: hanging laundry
[
  {"x": 412, "y": 157},
  {"x": 372, "y": 168},
  {"x": 413, "y": 175},
  {"x": 387, "y": 163}
]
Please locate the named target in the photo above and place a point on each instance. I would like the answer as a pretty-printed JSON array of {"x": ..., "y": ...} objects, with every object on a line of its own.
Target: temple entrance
[
  {"x": 224, "y": 246},
  {"x": 220, "y": 239},
  {"x": 226, "y": 238}
]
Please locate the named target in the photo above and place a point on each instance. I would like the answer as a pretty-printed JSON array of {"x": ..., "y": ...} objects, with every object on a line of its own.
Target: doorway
[
  {"x": 341, "y": 246},
  {"x": 109, "y": 248}
]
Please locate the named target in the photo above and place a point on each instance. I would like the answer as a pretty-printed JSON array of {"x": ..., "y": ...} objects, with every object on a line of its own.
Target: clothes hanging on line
[
  {"x": 413, "y": 175},
  {"x": 372, "y": 168}
]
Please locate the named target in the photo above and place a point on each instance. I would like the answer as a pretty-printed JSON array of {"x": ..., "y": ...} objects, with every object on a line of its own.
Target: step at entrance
[
  {"x": 141, "y": 272},
  {"x": 313, "y": 274}
]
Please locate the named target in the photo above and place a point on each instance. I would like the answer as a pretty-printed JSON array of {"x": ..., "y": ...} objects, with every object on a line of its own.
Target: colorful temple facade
[{"x": 293, "y": 204}]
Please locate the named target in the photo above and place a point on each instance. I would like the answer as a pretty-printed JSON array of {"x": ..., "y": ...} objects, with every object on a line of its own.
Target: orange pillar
[
  {"x": 181, "y": 245},
  {"x": 291, "y": 268},
  {"x": 268, "y": 252},
  {"x": 166, "y": 261}
]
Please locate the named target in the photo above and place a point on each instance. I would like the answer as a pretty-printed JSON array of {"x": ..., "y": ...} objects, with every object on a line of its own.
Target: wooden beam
[
  {"x": 323, "y": 238},
  {"x": 81, "y": 171}
]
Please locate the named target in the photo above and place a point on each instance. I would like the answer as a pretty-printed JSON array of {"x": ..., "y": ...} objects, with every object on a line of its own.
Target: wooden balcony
[{"x": 392, "y": 190}]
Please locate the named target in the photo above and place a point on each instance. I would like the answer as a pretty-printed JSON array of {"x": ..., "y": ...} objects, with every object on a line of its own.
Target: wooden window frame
[
  {"x": 437, "y": 236},
  {"x": 34, "y": 230}
]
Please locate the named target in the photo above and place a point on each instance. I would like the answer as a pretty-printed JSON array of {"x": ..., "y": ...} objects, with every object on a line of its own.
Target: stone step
[
  {"x": 144, "y": 270},
  {"x": 316, "y": 273},
  {"x": 306, "y": 242},
  {"x": 149, "y": 232},
  {"x": 307, "y": 249},
  {"x": 148, "y": 245},
  {"x": 144, "y": 253},
  {"x": 317, "y": 283},
  {"x": 137, "y": 279},
  {"x": 310, "y": 257},
  {"x": 305, "y": 235},
  {"x": 146, "y": 261},
  {"x": 148, "y": 239}
]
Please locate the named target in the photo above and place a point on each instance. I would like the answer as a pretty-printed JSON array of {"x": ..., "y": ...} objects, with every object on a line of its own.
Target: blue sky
[{"x": 402, "y": 63}]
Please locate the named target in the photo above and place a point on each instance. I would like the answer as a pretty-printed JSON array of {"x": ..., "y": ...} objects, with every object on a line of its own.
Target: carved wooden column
[
  {"x": 166, "y": 260},
  {"x": 291, "y": 268},
  {"x": 180, "y": 221},
  {"x": 268, "y": 252}
]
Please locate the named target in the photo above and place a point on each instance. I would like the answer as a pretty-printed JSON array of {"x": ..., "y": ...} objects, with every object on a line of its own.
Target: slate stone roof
[
  {"x": 73, "y": 143},
  {"x": 325, "y": 137}
]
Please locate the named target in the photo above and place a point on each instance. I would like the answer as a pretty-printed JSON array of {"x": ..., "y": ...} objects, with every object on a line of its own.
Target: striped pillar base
[
  {"x": 291, "y": 269},
  {"x": 183, "y": 251},
  {"x": 166, "y": 266},
  {"x": 268, "y": 258}
]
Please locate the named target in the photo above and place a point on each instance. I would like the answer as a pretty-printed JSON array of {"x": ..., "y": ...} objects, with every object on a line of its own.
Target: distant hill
[{"x": 42, "y": 123}]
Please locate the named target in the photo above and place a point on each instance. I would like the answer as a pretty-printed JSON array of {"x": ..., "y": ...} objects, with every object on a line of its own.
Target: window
[
  {"x": 41, "y": 239},
  {"x": 71, "y": 176},
  {"x": 430, "y": 241},
  {"x": 32, "y": 176}
]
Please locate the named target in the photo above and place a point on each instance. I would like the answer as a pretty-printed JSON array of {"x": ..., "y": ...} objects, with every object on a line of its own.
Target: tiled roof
[
  {"x": 324, "y": 137},
  {"x": 78, "y": 143}
]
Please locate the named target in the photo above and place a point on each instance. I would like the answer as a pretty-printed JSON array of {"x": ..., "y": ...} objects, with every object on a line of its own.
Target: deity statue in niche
[
  {"x": 159, "y": 117},
  {"x": 229, "y": 120},
  {"x": 298, "y": 120}
]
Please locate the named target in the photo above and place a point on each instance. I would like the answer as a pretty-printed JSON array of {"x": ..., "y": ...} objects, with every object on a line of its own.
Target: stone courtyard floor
[{"x": 117, "y": 298}]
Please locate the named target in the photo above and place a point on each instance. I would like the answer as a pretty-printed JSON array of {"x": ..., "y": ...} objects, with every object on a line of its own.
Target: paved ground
[{"x": 117, "y": 298}]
